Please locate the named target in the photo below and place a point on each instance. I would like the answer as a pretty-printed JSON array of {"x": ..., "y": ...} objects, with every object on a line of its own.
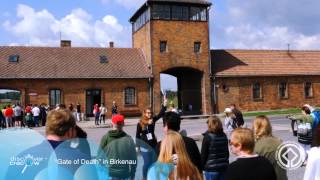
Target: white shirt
[
  {"x": 103, "y": 110},
  {"x": 312, "y": 171},
  {"x": 17, "y": 111},
  {"x": 35, "y": 111}
]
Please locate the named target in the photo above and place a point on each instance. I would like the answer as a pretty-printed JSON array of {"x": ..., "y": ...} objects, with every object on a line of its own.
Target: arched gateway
[{"x": 174, "y": 35}]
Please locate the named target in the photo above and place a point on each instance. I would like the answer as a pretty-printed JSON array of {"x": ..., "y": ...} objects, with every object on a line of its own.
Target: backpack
[
  {"x": 316, "y": 118},
  {"x": 304, "y": 129}
]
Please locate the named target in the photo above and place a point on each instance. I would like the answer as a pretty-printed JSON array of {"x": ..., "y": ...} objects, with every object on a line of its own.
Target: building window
[
  {"x": 13, "y": 58},
  {"x": 161, "y": 12},
  {"x": 197, "y": 47},
  {"x": 308, "y": 90},
  {"x": 163, "y": 46},
  {"x": 198, "y": 14},
  {"x": 179, "y": 13},
  {"x": 283, "y": 90},
  {"x": 55, "y": 97},
  {"x": 130, "y": 96},
  {"x": 256, "y": 91}
]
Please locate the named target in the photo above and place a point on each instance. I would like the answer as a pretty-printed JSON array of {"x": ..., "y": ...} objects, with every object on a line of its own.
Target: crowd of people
[{"x": 177, "y": 156}]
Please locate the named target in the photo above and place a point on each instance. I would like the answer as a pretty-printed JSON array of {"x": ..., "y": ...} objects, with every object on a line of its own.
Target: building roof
[
  {"x": 231, "y": 63},
  {"x": 183, "y": 1},
  {"x": 70, "y": 62}
]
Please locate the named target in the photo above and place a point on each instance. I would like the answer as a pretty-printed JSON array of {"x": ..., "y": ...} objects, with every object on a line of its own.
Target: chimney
[
  {"x": 65, "y": 43},
  {"x": 111, "y": 44}
]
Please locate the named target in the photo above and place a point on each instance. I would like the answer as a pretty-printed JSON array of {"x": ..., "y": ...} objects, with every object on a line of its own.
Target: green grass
[{"x": 273, "y": 112}]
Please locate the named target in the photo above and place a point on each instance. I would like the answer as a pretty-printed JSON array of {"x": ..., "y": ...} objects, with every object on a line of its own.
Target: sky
[{"x": 234, "y": 24}]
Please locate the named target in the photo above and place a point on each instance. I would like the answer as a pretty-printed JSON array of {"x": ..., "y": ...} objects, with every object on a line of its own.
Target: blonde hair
[
  {"x": 215, "y": 125},
  {"x": 243, "y": 137},
  {"x": 59, "y": 122},
  {"x": 261, "y": 127},
  {"x": 173, "y": 144}
]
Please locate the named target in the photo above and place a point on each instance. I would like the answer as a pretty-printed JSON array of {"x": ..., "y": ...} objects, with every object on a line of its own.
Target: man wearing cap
[{"x": 118, "y": 149}]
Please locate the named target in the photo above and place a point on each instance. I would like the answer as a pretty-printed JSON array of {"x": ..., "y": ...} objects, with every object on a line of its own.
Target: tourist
[
  {"x": 172, "y": 107},
  {"x": 175, "y": 160},
  {"x": 172, "y": 121},
  {"x": 248, "y": 166},
  {"x": 116, "y": 144},
  {"x": 114, "y": 109},
  {"x": 78, "y": 112},
  {"x": 36, "y": 113},
  {"x": 8, "y": 113},
  {"x": 28, "y": 118},
  {"x": 238, "y": 115},
  {"x": 146, "y": 140},
  {"x": 312, "y": 171},
  {"x": 304, "y": 127},
  {"x": 103, "y": 111},
  {"x": 2, "y": 119},
  {"x": 96, "y": 114},
  {"x": 18, "y": 115},
  {"x": 230, "y": 121},
  {"x": 266, "y": 144},
  {"x": 214, "y": 150},
  {"x": 43, "y": 114}
]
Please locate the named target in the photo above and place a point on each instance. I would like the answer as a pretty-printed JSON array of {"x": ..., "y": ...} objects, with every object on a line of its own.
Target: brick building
[{"x": 170, "y": 37}]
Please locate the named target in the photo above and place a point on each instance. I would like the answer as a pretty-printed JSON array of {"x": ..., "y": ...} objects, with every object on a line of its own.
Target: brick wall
[
  {"x": 74, "y": 91},
  {"x": 240, "y": 92},
  {"x": 180, "y": 37}
]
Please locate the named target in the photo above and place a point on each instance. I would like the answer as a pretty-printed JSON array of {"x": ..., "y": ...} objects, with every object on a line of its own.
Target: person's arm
[
  {"x": 138, "y": 135},
  {"x": 160, "y": 115},
  {"x": 204, "y": 150}
]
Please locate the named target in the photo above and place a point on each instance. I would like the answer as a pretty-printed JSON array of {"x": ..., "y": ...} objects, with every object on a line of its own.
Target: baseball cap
[
  {"x": 117, "y": 119},
  {"x": 228, "y": 110}
]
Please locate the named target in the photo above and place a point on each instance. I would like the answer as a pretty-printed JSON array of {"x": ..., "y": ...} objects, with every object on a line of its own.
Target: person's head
[
  {"x": 146, "y": 117},
  {"x": 147, "y": 113},
  {"x": 62, "y": 106},
  {"x": 8, "y": 106},
  {"x": 171, "y": 121},
  {"x": 261, "y": 127},
  {"x": 117, "y": 121},
  {"x": 228, "y": 112},
  {"x": 215, "y": 125},
  {"x": 61, "y": 123},
  {"x": 242, "y": 141},
  {"x": 113, "y": 102},
  {"x": 232, "y": 106},
  {"x": 173, "y": 146},
  {"x": 305, "y": 110}
]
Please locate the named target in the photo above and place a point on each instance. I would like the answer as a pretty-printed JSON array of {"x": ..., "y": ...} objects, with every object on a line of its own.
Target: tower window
[
  {"x": 161, "y": 12},
  {"x": 179, "y": 12},
  {"x": 163, "y": 46},
  {"x": 197, "y": 47}
]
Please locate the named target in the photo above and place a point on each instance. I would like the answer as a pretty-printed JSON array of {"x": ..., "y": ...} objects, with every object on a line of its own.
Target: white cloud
[
  {"x": 42, "y": 28},
  {"x": 267, "y": 24},
  {"x": 250, "y": 37},
  {"x": 128, "y": 4}
]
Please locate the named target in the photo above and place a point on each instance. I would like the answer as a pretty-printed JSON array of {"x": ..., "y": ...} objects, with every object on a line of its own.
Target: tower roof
[{"x": 145, "y": 5}]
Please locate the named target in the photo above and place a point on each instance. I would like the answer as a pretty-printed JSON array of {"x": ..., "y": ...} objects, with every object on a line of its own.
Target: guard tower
[{"x": 174, "y": 35}]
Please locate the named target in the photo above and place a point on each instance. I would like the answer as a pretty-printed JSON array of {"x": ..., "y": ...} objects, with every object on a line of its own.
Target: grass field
[{"x": 273, "y": 112}]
